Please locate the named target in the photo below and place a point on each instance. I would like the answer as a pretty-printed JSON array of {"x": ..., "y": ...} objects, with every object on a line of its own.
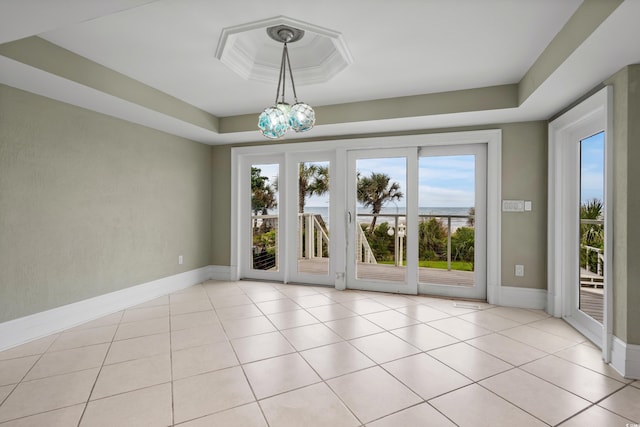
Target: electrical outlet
[
  {"x": 519, "y": 270},
  {"x": 180, "y": 259}
]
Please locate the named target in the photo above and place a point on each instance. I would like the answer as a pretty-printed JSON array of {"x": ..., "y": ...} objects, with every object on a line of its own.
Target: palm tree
[
  {"x": 375, "y": 191},
  {"x": 471, "y": 220},
  {"x": 313, "y": 179},
  {"x": 432, "y": 239},
  {"x": 263, "y": 195},
  {"x": 592, "y": 234}
]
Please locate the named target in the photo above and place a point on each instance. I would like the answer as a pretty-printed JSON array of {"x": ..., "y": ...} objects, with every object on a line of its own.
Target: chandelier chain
[
  {"x": 274, "y": 121},
  {"x": 281, "y": 76},
  {"x": 293, "y": 85}
]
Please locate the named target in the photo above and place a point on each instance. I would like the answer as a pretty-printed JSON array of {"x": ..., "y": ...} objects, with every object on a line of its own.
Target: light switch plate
[{"x": 513, "y": 206}]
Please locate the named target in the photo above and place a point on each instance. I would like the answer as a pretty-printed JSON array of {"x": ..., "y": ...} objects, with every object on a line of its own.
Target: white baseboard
[
  {"x": 29, "y": 328},
  {"x": 625, "y": 358},
  {"x": 222, "y": 272},
  {"x": 511, "y": 296}
]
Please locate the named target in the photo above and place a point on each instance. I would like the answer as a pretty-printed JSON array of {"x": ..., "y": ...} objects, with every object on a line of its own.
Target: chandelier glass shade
[{"x": 274, "y": 121}]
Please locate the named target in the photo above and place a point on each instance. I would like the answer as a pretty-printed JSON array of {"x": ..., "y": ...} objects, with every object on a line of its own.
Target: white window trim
[{"x": 594, "y": 111}]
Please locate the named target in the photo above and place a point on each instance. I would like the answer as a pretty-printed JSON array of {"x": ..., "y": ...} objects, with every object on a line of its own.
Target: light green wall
[
  {"x": 478, "y": 99},
  {"x": 586, "y": 19},
  {"x": 626, "y": 199},
  {"x": 524, "y": 176},
  {"x": 90, "y": 204},
  {"x": 633, "y": 206},
  {"x": 221, "y": 212},
  {"x": 39, "y": 53},
  {"x": 619, "y": 82}
]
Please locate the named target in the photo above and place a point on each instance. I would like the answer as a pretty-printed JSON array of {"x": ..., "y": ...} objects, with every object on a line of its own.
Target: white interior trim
[
  {"x": 625, "y": 358},
  {"x": 38, "y": 325},
  {"x": 410, "y": 283},
  {"x": 587, "y": 118},
  {"x": 221, "y": 272},
  {"x": 511, "y": 296},
  {"x": 292, "y": 161},
  {"x": 493, "y": 139}
]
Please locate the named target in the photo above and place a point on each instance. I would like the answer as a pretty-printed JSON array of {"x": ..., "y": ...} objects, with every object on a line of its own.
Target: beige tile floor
[{"x": 266, "y": 354}]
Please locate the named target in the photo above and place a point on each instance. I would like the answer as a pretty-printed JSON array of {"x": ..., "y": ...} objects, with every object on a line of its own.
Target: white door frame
[
  {"x": 410, "y": 283},
  {"x": 591, "y": 116},
  {"x": 479, "y": 290},
  {"x": 492, "y": 138},
  {"x": 292, "y": 160},
  {"x": 243, "y": 213}
]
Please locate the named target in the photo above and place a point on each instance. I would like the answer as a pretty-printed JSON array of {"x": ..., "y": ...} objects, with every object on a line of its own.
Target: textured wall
[
  {"x": 633, "y": 205},
  {"x": 221, "y": 212},
  {"x": 620, "y": 129},
  {"x": 524, "y": 177},
  {"x": 90, "y": 204},
  {"x": 626, "y": 199}
]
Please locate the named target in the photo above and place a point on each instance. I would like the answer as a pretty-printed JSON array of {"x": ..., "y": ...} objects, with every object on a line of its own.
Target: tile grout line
[
  {"x": 297, "y": 352},
  {"x": 292, "y": 298},
  {"x": 104, "y": 359},
  {"x": 26, "y": 373},
  {"x": 239, "y": 363},
  {"x": 22, "y": 380},
  {"x": 173, "y": 403},
  {"x": 508, "y": 402},
  {"x": 547, "y": 354}
]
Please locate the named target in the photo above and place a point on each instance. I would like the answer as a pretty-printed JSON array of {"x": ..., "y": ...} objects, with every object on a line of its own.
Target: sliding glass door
[
  {"x": 286, "y": 217},
  {"x": 417, "y": 220},
  {"x": 452, "y": 221},
  {"x": 309, "y": 236},
  {"x": 381, "y": 205},
  {"x": 409, "y": 218}
]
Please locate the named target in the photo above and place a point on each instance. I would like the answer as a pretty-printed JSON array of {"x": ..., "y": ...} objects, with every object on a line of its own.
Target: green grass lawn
[{"x": 455, "y": 265}]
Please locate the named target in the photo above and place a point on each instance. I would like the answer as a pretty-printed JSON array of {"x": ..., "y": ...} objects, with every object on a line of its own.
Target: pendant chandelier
[{"x": 274, "y": 121}]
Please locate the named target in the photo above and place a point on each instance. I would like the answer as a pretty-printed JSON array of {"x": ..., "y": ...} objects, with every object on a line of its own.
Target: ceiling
[{"x": 401, "y": 54}]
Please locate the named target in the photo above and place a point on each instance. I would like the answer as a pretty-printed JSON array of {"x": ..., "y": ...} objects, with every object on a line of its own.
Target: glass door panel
[
  {"x": 591, "y": 285},
  {"x": 381, "y": 253},
  {"x": 381, "y": 219},
  {"x": 313, "y": 236},
  {"x": 451, "y": 221},
  {"x": 264, "y": 217}
]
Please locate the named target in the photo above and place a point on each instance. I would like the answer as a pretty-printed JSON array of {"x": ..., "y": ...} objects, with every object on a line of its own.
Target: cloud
[{"x": 430, "y": 196}]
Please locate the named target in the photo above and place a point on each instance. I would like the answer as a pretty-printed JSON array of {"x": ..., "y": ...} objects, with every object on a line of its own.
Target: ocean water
[{"x": 392, "y": 210}]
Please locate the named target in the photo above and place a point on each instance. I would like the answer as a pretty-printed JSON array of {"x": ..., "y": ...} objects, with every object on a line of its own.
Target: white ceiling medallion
[{"x": 317, "y": 58}]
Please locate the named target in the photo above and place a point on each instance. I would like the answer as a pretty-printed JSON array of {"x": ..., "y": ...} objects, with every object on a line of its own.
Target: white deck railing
[
  {"x": 399, "y": 240},
  {"x": 313, "y": 236},
  {"x": 315, "y": 230},
  {"x": 589, "y": 249}
]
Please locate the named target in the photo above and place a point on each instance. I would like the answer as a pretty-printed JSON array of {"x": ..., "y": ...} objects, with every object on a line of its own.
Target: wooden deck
[
  {"x": 392, "y": 273},
  {"x": 591, "y": 299},
  {"x": 592, "y": 294},
  {"x": 592, "y": 302}
]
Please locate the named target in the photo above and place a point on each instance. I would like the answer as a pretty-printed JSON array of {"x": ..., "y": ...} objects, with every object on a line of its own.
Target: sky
[
  {"x": 592, "y": 168},
  {"x": 448, "y": 181},
  {"x": 443, "y": 181}
]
